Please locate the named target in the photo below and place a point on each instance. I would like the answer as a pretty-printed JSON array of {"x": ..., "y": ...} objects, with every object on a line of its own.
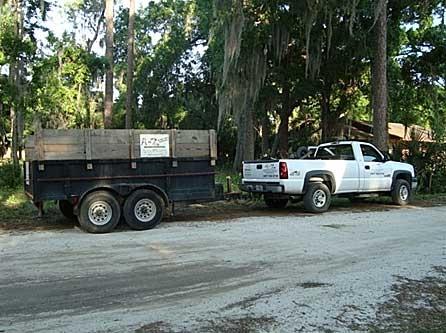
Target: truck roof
[{"x": 343, "y": 142}]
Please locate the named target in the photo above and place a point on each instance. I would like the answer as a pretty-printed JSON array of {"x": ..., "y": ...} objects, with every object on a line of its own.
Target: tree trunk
[
  {"x": 108, "y": 109},
  {"x": 379, "y": 80},
  {"x": 325, "y": 114},
  {"x": 13, "y": 116},
  {"x": 266, "y": 130},
  {"x": 245, "y": 138},
  {"x": 332, "y": 121},
  {"x": 14, "y": 77},
  {"x": 283, "y": 131},
  {"x": 20, "y": 106},
  {"x": 130, "y": 66}
]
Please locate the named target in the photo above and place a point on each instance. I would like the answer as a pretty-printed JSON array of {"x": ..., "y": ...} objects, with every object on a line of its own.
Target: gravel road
[{"x": 280, "y": 274}]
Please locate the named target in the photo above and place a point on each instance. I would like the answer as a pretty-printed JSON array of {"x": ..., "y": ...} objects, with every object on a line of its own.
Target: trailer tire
[
  {"x": 67, "y": 210},
  {"x": 143, "y": 210},
  {"x": 100, "y": 212},
  {"x": 317, "y": 199}
]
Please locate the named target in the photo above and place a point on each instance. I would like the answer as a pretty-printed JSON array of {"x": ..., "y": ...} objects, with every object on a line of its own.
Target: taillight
[{"x": 283, "y": 170}]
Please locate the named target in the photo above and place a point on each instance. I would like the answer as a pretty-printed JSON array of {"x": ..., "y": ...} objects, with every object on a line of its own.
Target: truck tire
[
  {"x": 317, "y": 199},
  {"x": 99, "y": 212},
  {"x": 143, "y": 210},
  {"x": 66, "y": 208},
  {"x": 401, "y": 193},
  {"x": 275, "y": 203}
]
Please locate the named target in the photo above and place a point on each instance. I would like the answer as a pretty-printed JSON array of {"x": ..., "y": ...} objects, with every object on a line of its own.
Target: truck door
[{"x": 374, "y": 173}]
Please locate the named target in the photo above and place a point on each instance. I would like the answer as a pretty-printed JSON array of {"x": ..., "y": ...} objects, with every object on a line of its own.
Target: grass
[
  {"x": 14, "y": 204},
  {"x": 223, "y": 173}
]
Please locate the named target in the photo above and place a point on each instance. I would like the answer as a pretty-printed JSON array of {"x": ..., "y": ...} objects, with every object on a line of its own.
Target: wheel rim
[
  {"x": 100, "y": 213},
  {"x": 404, "y": 192},
  {"x": 145, "y": 210},
  {"x": 319, "y": 198}
]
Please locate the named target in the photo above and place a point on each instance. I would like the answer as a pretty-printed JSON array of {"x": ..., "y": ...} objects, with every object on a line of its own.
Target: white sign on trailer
[{"x": 154, "y": 145}]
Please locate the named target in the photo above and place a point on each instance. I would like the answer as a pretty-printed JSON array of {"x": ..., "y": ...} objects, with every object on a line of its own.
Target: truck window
[
  {"x": 336, "y": 152},
  {"x": 370, "y": 154}
]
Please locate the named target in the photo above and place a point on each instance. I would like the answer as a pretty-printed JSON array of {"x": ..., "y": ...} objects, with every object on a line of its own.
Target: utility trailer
[{"x": 97, "y": 176}]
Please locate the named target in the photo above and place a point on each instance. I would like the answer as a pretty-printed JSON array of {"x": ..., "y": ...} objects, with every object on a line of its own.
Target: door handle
[{"x": 367, "y": 167}]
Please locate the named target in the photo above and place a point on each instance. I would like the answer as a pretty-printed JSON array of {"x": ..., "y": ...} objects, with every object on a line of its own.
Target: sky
[{"x": 57, "y": 21}]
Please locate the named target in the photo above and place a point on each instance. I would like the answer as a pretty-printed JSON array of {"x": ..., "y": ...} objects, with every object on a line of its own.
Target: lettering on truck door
[{"x": 376, "y": 176}]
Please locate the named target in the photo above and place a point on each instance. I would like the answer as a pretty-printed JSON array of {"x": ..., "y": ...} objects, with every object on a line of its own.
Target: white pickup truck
[{"x": 346, "y": 168}]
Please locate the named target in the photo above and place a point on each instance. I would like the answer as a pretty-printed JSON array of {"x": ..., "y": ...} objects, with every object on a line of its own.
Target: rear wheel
[
  {"x": 99, "y": 212},
  {"x": 66, "y": 208},
  {"x": 401, "y": 193},
  {"x": 275, "y": 203},
  {"x": 317, "y": 199},
  {"x": 143, "y": 210}
]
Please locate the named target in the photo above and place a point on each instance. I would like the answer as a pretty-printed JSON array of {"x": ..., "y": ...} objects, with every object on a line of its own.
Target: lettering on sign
[{"x": 154, "y": 145}]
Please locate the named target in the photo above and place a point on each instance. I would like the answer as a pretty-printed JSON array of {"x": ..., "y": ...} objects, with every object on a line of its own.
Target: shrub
[
  {"x": 429, "y": 160},
  {"x": 10, "y": 176}
]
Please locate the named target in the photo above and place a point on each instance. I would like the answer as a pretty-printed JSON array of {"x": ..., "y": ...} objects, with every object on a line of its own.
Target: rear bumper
[{"x": 261, "y": 187}]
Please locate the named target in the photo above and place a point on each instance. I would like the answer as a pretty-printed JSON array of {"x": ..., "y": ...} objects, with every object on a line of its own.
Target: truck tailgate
[{"x": 261, "y": 170}]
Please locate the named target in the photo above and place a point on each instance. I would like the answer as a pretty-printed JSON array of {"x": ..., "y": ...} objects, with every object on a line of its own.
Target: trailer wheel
[
  {"x": 143, "y": 210},
  {"x": 317, "y": 199},
  {"x": 66, "y": 208},
  {"x": 99, "y": 212}
]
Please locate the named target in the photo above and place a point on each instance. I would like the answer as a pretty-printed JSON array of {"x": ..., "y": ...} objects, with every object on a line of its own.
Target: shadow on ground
[{"x": 18, "y": 214}]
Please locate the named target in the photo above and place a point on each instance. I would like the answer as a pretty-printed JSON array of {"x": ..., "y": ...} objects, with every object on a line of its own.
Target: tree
[
  {"x": 130, "y": 66},
  {"x": 109, "y": 27},
  {"x": 379, "y": 77}
]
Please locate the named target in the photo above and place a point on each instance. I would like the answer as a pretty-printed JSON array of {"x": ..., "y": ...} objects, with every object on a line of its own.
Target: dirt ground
[
  {"x": 212, "y": 211},
  {"x": 375, "y": 268}
]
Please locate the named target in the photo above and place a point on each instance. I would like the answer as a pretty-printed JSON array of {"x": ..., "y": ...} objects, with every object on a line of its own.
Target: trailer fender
[
  {"x": 102, "y": 188},
  {"x": 153, "y": 188}
]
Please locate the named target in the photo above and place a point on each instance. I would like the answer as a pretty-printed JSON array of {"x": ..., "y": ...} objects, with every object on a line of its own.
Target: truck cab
[{"x": 344, "y": 168}]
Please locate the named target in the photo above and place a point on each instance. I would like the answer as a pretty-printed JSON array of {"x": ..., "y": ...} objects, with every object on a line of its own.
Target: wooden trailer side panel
[{"x": 48, "y": 145}]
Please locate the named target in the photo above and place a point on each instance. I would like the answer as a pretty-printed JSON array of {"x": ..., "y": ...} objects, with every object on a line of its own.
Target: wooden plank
[
  {"x": 131, "y": 149},
  {"x": 192, "y": 150},
  {"x": 106, "y": 151},
  {"x": 192, "y": 136},
  {"x": 213, "y": 144},
  {"x": 55, "y": 156},
  {"x": 39, "y": 145},
  {"x": 173, "y": 143},
  {"x": 116, "y": 144},
  {"x": 63, "y": 148},
  {"x": 88, "y": 149}
]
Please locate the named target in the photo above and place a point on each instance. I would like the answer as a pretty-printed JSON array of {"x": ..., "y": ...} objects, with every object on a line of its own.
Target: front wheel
[
  {"x": 99, "y": 212},
  {"x": 401, "y": 193},
  {"x": 143, "y": 210},
  {"x": 317, "y": 199}
]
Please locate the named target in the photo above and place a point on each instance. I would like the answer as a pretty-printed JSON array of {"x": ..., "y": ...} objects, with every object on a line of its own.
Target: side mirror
[{"x": 386, "y": 156}]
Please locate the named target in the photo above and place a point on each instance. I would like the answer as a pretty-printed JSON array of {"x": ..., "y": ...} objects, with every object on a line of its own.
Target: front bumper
[
  {"x": 414, "y": 184},
  {"x": 261, "y": 187}
]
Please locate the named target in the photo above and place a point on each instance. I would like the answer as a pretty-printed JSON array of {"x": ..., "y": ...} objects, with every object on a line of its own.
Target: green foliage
[
  {"x": 429, "y": 160},
  {"x": 65, "y": 76},
  {"x": 10, "y": 176}
]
